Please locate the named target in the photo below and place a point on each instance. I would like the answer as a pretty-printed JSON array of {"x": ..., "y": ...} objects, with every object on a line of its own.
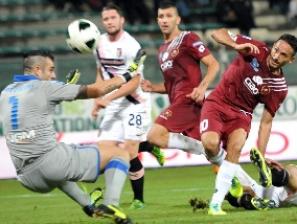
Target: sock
[
  {"x": 223, "y": 181},
  {"x": 219, "y": 158},
  {"x": 115, "y": 175},
  {"x": 76, "y": 193},
  {"x": 187, "y": 144},
  {"x": 136, "y": 175},
  {"x": 232, "y": 200},
  {"x": 246, "y": 180},
  {"x": 145, "y": 147}
]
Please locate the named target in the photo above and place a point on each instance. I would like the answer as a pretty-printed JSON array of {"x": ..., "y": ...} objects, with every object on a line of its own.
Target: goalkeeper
[{"x": 43, "y": 164}]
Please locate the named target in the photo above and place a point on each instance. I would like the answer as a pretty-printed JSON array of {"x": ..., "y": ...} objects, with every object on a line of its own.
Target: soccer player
[
  {"x": 254, "y": 76},
  {"x": 42, "y": 164},
  {"x": 246, "y": 192},
  {"x": 177, "y": 127},
  {"x": 127, "y": 110}
]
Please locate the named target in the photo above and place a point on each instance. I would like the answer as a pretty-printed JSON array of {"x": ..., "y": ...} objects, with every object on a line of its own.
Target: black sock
[
  {"x": 136, "y": 173},
  {"x": 232, "y": 200},
  {"x": 145, "y": 147}
]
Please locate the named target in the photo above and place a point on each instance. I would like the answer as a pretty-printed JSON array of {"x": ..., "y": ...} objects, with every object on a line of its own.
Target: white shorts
[{"x": 132, "y": 123}]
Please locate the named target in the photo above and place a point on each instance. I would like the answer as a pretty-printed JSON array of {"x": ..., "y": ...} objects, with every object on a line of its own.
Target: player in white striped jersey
[{"x": 127, "y": 114}]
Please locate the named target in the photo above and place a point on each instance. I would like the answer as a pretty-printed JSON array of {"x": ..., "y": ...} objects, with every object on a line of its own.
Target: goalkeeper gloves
[
  {"x": 133, "y": 68},
  {"x": 138, "y": 61},
  {"x": 73, "y": 76}
]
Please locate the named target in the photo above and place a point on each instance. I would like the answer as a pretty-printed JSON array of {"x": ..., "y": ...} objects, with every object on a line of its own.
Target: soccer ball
[{"x": 82, "y": 36}]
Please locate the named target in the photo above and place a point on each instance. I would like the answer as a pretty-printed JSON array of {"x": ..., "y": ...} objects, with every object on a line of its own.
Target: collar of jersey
[{"x": 23, "y": 78}]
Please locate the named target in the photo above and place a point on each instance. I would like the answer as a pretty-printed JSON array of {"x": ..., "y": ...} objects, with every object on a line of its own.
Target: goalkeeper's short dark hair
[
  {"x": 33, "y": 57},
  {"x": 42, "y": 53}
]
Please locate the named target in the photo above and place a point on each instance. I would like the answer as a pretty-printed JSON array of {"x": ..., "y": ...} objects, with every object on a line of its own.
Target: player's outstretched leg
[
  {"x": 154, "y": 150},
  {"x": 159, "y": 155},
  {"x": 264, "y": 171}
]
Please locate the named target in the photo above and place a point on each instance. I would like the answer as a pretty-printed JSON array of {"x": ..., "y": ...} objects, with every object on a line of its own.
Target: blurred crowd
[{"x": 232, "y": 13}]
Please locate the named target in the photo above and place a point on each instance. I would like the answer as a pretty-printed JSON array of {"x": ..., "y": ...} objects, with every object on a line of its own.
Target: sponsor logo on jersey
[
  {"x": 166, "y": 65},
  {"x": 255, "y": 64},
  {"x": 251, "y": 86},
  {"x": 23, "y": 137}
]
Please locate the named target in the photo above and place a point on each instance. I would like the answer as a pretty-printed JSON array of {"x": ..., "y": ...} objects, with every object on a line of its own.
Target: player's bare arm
[
  {"x": 264, "y": 130},
  {"x": 124, "y": 90},
  {"x": 100, "y": 88},
  {"x": 148, "y": 86},
  {"x": 224, "y": 37},
  {"x": 213, "y": 66}
]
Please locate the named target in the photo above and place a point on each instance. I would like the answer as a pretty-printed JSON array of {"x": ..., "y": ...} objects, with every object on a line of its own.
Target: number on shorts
[
  {"x": 14, "y": 118},
  {"x": 135, "y": 120},
  {"x": 203, "y": 125}
]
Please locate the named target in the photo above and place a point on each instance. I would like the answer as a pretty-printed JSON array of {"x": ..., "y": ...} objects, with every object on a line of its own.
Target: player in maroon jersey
[
  {"x": 179, "y": 57},
  {"x": 254, "y": 76}
]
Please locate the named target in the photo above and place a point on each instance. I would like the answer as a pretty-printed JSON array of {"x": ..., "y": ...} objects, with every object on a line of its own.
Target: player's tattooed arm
[{"x": 100, "y": 88}]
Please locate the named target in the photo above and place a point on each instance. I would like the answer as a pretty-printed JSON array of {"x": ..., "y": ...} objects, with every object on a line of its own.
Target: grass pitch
[{"x": 167, "y": 194}]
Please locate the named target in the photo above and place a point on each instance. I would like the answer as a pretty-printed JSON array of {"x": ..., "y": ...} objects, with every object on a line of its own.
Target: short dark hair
[
  {"x": 32, "y": 57},
  {"x": 167, "y": 4},
  {"x": 42, "y": 53},
  {"x": 290, "y": 39},
  {"x": 112, "y": 6}
]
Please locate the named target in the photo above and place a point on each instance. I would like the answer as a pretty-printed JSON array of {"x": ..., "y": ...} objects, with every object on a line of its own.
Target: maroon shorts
[
  {"x": 181, "y": 118},
  {"x": 223, "y": 119}
]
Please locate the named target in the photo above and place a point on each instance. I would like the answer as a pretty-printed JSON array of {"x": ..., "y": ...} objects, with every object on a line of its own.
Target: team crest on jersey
[
  {"x": 264, "y": 90},
  {"x": 174, "y": 53},
  {"x": 255, "y": 64},
  {"x": 166, "y": 114},
  {"x": 119, "y": 52}
]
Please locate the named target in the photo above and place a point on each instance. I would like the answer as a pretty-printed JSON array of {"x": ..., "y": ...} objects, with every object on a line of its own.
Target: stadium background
[{"x": 39, "y": 24}]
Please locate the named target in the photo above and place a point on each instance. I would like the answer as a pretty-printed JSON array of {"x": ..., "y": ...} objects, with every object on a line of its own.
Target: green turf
[{"x": 167, "y": 192}]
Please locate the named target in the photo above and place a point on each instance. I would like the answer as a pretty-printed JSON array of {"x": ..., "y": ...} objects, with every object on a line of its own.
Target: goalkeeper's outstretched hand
[
  {"x": 135, "y": 65},
  {"x": 138, "y": 61},
  {"x": 73, "y": 76}
]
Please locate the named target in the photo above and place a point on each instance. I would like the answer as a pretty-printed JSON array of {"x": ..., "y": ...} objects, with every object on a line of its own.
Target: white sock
[
  {"x": 246, "y": 180},
  {"x": 219, "y": 158},
  {"x": 223, "y": 181},
  {"x": 187, "y": 144}
]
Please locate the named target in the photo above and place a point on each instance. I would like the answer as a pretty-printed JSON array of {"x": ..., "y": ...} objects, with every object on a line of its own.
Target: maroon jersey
[
  {"x": 248, "y": 81},
  {"x": 180, "y": 63}
]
